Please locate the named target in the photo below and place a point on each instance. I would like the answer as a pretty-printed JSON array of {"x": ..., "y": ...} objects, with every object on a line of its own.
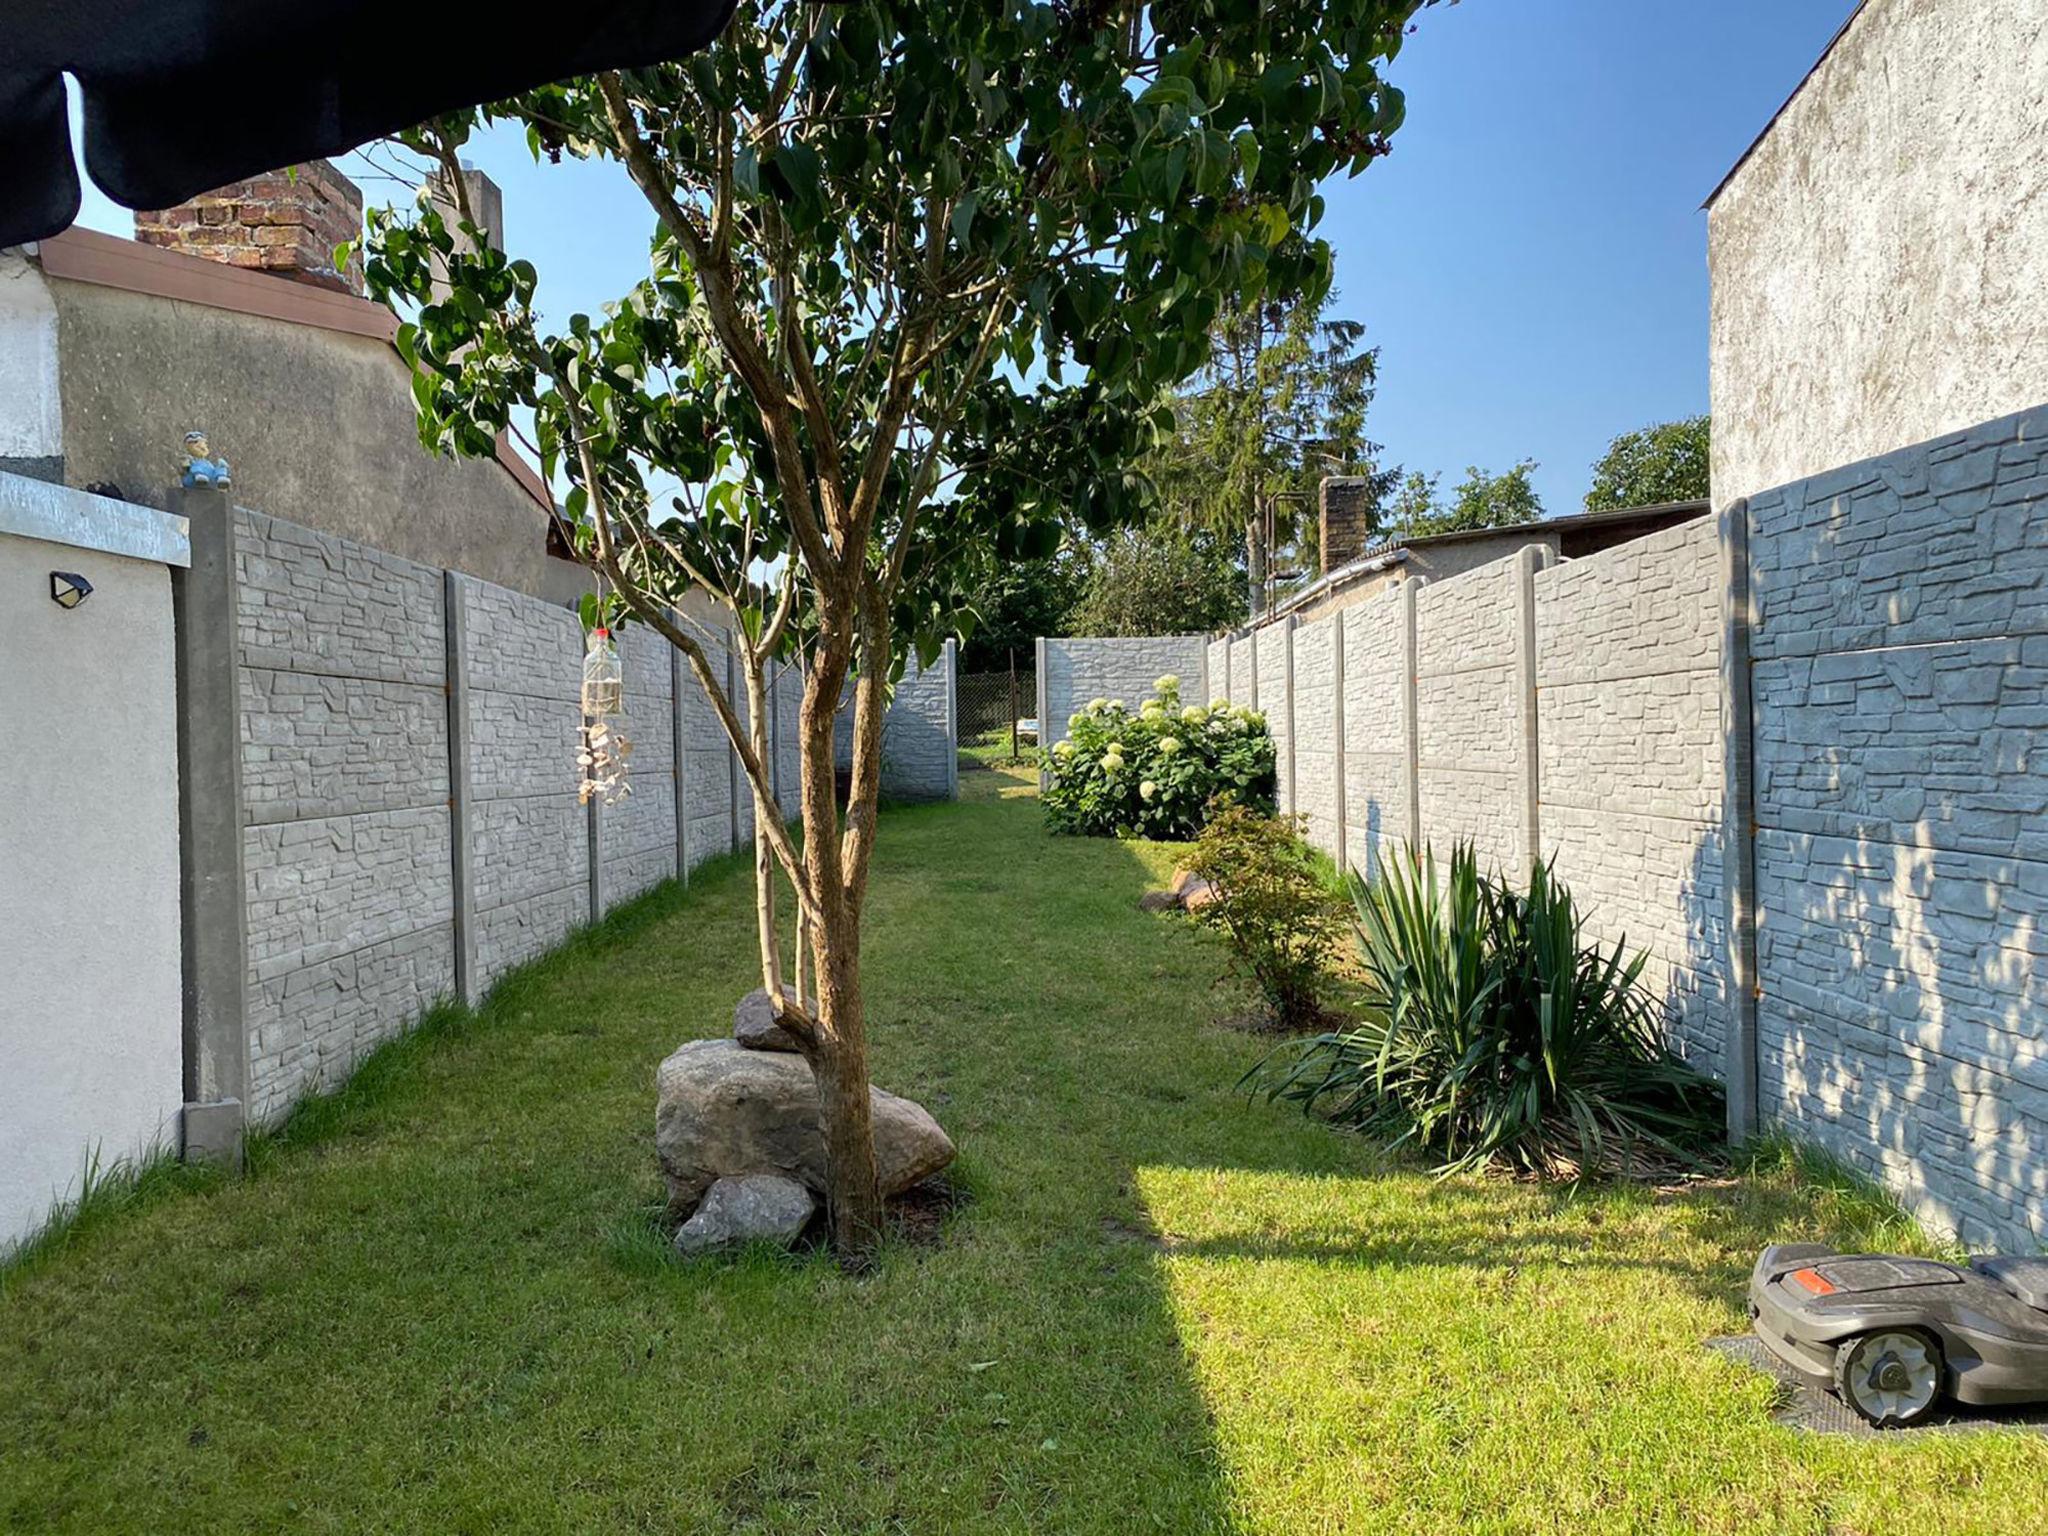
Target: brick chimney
[
  {"x": 1348, "y": 514},
  {"x": 283, "y": 222}
]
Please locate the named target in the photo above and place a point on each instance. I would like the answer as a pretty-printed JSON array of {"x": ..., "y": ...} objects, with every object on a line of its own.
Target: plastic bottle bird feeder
[{"x": 606, "y": 746}]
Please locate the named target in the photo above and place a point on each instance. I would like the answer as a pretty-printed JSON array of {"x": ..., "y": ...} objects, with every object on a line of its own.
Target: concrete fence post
[
  {"x": 1287, "y": 708},
  {"x": 678, "y": 753},
  {"x": 1738, "y": 822},
  {"x": 952, "y": 719},
  {"x": 461, "y": 795},
  {"x": 1529, "y": 559},
  {"x": 1038, "y": 704},
  {"x": 1337, "y": 738},
  {"x": 213, "y": 889},
  {"x": 1253, "y": 702},
  {"x": 1411, "y": 667}
]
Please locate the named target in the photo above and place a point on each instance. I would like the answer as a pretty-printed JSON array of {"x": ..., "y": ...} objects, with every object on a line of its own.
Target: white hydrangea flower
[
  {"x": 1167, "y": 684},
  {"x": 1168, "y": 745},
  {"x": 1147, "y": 790},
  {"x": 1117, "y": 705},
  {"x": 1097, "y": 703},
  {"x": 1111, "y": 762},
  {"x": 1063, "y": 749},
  {"x": 1194, "y": 714},
  {"x": 1074, "y": 722}
]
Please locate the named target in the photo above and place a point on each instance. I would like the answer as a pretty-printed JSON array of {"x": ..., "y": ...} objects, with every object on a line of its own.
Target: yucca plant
[{"x": 1495, "y": 1035}]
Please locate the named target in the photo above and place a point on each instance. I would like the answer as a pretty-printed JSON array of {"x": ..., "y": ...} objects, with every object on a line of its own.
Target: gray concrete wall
[
  {"x": 638, "y": 833},
  {"x": 347, "y": 833},
  {"x": 1074, "y": 671},
  {"x": 1318, "y": 731},
  {"x": 1879, "y": 260},
  {"x": 1473, "y": 753},
  {"x": 1244, "y": 670},
  {"x": 1379, "y": 748},
  {"x": 1629, "y": 735},
  {"x": 1216, "y": 664},
  {"x": 1900, "y": 684},
  {"x": 89, "y": 908}
]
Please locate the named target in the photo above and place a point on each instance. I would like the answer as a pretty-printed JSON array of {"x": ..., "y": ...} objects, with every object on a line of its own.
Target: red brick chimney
[
  {"x": 284, "y": 222},
  {"x": 1349, "y": 515}
]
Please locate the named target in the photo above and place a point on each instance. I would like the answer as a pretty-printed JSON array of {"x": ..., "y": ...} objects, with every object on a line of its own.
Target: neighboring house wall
[
  {"x": 1071, "y": 672},
  {"x": 90, "y": 1059},
  {"x": 318, "y": 426},
  {"x": 1879, "y": 258},
  {"x": 31, "y": 423},
  {"x": 1900, "y": 686}
]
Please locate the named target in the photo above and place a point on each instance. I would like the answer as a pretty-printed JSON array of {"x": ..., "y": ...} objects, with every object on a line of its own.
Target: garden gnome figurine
[{"x": 201, "y": 468}]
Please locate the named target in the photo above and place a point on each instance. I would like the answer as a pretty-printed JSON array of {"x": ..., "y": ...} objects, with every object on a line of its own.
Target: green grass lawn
[{"x": 439, "y": 1306}]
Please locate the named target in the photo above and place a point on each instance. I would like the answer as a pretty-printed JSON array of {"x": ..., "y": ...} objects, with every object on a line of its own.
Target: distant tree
[
  {"x": 1280, "y": 404},
  {"x": 1413, "y": 503},
  {"x": 1663, "y": 463},
  {"x": 1485, "y": 500},
  {"x": 1020, "y": 600},
  {"x": 1161, "y": 580}
]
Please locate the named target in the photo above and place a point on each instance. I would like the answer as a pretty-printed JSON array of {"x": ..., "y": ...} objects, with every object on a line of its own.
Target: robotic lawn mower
[{"x": 1892, "y": 1336}]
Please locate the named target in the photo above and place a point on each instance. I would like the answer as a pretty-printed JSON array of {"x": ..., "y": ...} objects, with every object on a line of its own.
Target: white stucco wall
[
  {"x": 31, "y": 420},
  {"x": 1880, "y": 261},
  {"x": 89, "y": 979}
]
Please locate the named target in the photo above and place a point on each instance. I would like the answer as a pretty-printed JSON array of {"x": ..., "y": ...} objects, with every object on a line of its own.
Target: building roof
[
  {"x": 87, "y": 256},
  {"x": 1757, "y": 143}
]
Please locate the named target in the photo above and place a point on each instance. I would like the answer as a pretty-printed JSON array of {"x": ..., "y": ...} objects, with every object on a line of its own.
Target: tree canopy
[
  {"x": 1161, "y": 580},
  {"x": 1280, "y": 403},
  {"x": 1667, "y": 462},
  {"x": 1481, "y": 500},
  {"x": 919, "y": 275}
]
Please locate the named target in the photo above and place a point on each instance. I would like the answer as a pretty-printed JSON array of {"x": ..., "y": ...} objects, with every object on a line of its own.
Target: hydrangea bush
[{"x": 1155, "y": 771}]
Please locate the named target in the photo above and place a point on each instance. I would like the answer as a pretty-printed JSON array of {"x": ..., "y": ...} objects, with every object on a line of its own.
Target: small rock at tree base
[
  {"x": 754, "y": 1026},
  {"x": 1198, "y": 895},
  {"x": 751, "y": 1207},
  {"x": 1183, "y": 878},
  {"x": 1159, "y": 901},
  {"x": 721, "y": 1110}
]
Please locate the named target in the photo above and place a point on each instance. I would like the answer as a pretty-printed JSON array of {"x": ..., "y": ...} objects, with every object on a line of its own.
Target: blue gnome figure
[{"x": 201, "y": 468}]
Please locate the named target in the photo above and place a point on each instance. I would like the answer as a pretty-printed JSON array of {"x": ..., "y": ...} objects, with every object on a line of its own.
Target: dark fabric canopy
[{"x": 182, "y": 96}]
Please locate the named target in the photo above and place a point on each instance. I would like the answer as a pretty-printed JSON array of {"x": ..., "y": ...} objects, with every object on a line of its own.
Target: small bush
[
  {"x": 1274, "y": 909},
  {"x": 1494, "y": 1034},
  {"x": 1155, "y": 773}
]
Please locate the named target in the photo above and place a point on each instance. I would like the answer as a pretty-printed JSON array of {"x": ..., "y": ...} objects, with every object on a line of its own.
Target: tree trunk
[
  {"x": 838, "y": 1052},
  {"x": 1255, "y": 562},
  {"x": 764, "y": 862}
]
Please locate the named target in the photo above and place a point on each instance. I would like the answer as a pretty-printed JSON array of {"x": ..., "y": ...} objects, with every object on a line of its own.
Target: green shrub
[
  {"x": 1155, "y": 772},
  {"x": 1273, "y": 906},
  {"x": 1494, "y": 1034}
]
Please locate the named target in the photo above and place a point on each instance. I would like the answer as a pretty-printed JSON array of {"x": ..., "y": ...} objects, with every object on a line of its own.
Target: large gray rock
[
  {"x": 754, "y": 1026},
  {"x": 754, "y": 1207},
  {"x": 721, "y": 1109}
]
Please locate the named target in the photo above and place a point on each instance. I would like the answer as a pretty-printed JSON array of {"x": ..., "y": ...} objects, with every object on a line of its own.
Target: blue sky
[{"x": 1531, "y": 259}]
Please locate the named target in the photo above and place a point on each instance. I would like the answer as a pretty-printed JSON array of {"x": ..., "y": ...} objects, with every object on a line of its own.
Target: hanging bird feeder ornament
[{"x": 606, "y": 746}]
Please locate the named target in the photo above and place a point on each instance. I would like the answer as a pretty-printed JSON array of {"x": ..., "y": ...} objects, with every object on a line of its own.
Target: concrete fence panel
[
  {"x": 1076, "y": 671},
  {"x": 639, "y": 832},
  {"x": 1379, "y": 747},
  {"x": 347, "y": 840},
  {"x": 1317, "y": 717},
  {"x": 1216, "y": 671},
  {"x": 1629, "y": 740},
  {"x": 1899, "y": 688},
  {"x": 1473, "y": 753}
]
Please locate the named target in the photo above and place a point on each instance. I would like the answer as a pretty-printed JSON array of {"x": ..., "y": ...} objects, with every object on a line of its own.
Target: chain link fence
[{"x": 996, "y": 726}]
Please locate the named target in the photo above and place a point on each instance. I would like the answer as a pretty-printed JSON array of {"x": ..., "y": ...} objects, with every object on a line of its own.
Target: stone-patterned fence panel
[
  {"x": 1074, "y": 671},
  {"x": 1377, "y": 741},
  {"x": 1474, "y": 755},
  {"x": 347, "y": 856},
  {"x": 406, "y": 790},
  {"x": 1629, "y": 739},
  {"x": 1316, "y": 719},
  {"x": 1899, "y": 686}
]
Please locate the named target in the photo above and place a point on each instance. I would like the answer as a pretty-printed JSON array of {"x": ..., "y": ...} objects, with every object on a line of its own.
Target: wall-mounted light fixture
[{"x": 68, "y": 589}]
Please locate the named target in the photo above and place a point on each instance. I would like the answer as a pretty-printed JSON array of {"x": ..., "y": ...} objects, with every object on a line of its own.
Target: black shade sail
[{"x": 182, "y": 96}]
